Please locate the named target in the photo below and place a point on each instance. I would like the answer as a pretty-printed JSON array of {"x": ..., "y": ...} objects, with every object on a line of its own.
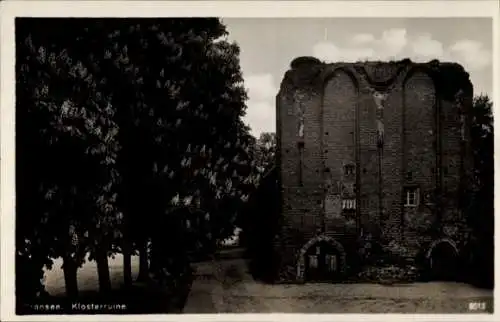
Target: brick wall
[
  {"x": 339, "y": 134},
  {"x": 369, "y": 207},
  {"x": 422, "y": 148}
]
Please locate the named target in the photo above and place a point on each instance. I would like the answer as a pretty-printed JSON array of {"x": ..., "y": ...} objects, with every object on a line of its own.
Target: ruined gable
[{"x": 359, "y": 143}]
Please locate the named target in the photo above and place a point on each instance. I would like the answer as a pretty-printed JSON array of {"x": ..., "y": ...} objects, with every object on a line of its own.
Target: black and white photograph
[{"x": 209, "y": 163}]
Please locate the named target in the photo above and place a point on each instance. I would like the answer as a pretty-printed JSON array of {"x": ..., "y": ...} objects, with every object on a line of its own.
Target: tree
[
  {"x": 260, "y": 220},
  {"x": 177, "y": 140},
  {"x": 66, "y": 141},
  {"x": 150, "y": 147},
  {"x": 266, "y": 150},
  {"x": 481, "y": 214},
  {"x": 200, "y": 157}
]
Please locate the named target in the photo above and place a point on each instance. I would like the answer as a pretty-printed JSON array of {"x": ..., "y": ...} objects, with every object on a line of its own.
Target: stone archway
[
  {"x": 301, "y": 261},
  {"x": 443, "y": 259},
  {"x": 439, "y": 241}
]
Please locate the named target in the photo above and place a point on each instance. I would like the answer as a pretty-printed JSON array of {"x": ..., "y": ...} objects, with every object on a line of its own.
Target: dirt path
[{"x": 225, "y": 286}]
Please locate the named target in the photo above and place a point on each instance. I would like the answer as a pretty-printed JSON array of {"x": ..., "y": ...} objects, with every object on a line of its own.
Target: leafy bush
[
  {"x": 388, "y": 275},
  {"x": 385, "y": 261}
]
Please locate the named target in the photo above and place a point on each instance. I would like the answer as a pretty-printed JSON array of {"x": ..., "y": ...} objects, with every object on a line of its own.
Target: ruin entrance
[
  {"x": 322, "y": 263},
  {"x": 443, "y": 261},
  {"x": 321, "y": 259}
]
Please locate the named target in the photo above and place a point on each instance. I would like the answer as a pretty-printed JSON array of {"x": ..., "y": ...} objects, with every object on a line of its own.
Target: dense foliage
[
  {"x": 261, "y": 219},
  {"x": 66, "y": 154},
  {"x": 481, "y": 214},
  {"x": 128, "y": 133}
]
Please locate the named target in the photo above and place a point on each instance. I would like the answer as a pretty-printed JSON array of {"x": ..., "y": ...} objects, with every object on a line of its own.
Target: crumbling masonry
[{"x": 370, "y": 149}]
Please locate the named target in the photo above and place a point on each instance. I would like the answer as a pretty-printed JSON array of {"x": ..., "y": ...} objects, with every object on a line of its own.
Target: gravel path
[{"x": 225, "y": 286}]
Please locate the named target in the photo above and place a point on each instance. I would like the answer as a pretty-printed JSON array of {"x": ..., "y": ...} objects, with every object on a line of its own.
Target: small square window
[{"x": 411, "y": 197}]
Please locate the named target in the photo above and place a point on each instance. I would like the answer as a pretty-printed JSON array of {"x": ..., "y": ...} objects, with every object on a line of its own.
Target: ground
[
  {"x": 141, "y": 298},
  {"x": 225, "y": 286},
  {"x": 87, "y": 275}
]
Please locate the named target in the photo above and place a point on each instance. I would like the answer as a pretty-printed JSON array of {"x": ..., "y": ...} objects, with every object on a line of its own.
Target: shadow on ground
[{"x": 141, "y": 298}]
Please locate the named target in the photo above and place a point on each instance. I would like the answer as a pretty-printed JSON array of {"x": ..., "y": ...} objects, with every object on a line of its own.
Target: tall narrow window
[
  {"x": 331, "y": 262},
  {"x": 411, "y": 197},
  {"x": 348, "y": 204},
  {"x": 301, "y": 162},
  {"x": 462, "y": 127},
  {"x": 313, "y": 261}
]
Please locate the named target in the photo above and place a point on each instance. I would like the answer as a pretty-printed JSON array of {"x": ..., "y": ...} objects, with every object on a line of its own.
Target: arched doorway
[
  {"x": 443, "y": 260},
  {"x": 322, "y": 263},
  {"x": 321, "y": 259}
]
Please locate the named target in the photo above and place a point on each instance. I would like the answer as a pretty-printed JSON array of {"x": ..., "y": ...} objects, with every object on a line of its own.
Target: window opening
[
  {"x": 411, "y": 197},
  {"x": 349, "y": 204},
  {"x": 313, "y": 261},
  {"x": 301, "y": 163},
  {"x": 331, "y": 262},
  {"x": 348, "y": 169}
]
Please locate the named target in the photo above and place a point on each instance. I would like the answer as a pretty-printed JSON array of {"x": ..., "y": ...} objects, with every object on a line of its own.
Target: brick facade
[{"x": 355, "y": 140}]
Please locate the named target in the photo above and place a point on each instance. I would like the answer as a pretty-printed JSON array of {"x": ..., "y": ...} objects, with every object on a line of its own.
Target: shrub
[{"x": 389, "y": 275}]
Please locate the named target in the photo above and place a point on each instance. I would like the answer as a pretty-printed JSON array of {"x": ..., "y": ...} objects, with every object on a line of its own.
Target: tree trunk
[
  {"x": 143, "y": 261},
  {"x": 103, "y": 270},
  {"x": 70, "y": 277},
  {"x": 127, "y": 264},
  {"x": 155, "y": 254}
]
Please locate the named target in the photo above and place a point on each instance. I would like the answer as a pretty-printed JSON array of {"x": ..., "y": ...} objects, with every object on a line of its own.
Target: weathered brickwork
[{"x": 355, "y": 140}]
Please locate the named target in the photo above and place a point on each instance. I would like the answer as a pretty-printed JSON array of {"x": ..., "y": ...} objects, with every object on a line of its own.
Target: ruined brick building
[{"x": 369, "y": 149}]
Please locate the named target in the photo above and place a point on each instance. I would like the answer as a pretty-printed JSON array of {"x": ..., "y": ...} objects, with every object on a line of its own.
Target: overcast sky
[{"x": 269, "y": 44}]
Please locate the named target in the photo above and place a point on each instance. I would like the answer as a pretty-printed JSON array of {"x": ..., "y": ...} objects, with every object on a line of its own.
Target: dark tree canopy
[
  {"x": 481, "y": 214},
  {"x": 128, "y": 130}
]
